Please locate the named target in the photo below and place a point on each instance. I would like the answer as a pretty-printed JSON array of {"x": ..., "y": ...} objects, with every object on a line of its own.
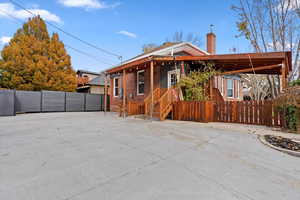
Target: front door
[{"x": 173, "y": 77}]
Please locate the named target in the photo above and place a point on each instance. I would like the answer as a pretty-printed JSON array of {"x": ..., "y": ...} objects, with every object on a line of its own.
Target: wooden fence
[
  {"x": 200, "y": 111},
  {"x": 135, "y": 108},
  {"x": 248, "y": 112},
  {"x": 245, "y": 112}
]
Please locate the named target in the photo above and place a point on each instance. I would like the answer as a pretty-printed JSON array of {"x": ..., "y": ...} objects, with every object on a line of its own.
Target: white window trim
[
  {"x": 175, "y": 71},
  {"x": 116, "y": 78},
  {"x": 222, "y": 85},
  {"x": 238, "y": 89},
  {"x": 232, "y": 88},
  {"x": 137, "y": 82}
]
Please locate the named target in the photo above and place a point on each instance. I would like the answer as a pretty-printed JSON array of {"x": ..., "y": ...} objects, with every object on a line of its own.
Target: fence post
[
  {"x": 41, "y": 100},
  {"x": 208, "y": 111},
  {"x": 65, "y": 101},
  {"x": 15, "y": 102},
  {"x": 234, "y": 111},
  {"x": 84, "y": 102}
]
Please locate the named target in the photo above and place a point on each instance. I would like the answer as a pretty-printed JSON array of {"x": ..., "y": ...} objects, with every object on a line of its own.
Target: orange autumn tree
[{"x": 35, "y": 61}]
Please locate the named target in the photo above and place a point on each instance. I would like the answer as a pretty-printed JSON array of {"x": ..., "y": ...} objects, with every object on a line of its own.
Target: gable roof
[
  {"x": 167, "y": 49},
  {"x": 98, "y": 81}
]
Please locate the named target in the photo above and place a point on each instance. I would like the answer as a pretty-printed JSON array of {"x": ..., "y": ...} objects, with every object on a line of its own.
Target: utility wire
[
  {"x": 69, "y": 34},
  {"x": 86, "y": 54},
  {"x": 66, "y": 45}
]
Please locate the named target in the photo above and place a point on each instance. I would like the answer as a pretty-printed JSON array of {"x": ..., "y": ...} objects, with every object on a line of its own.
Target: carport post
[
  {"x": 283, "y": 76},
  {"x": 124, "y": 93},
  {"x": 151, "y": 89}
]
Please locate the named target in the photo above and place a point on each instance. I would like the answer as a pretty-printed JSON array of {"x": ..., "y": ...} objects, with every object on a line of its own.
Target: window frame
[
  {"x": 116, "y": 78},
  {"x": 238, "y": 89},
  {"x": 227, "y": 88},
  {"x": 175, "y": 72},
  {"x": 137, "y": 82}
]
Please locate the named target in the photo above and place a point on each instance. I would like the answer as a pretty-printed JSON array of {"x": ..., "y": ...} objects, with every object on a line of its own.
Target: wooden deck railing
[
  {"x": 156, "y": 95},
  {"x": 135, "y": 108},
  {"x": 165, "y": 102},
  {"x": 199, "y": 111}
]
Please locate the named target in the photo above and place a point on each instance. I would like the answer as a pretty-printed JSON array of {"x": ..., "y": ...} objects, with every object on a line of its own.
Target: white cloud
[
  {"x": 22, "y": 14},
  {"x": 87, "y": 4},
  {"x": 5, "y": 40},
  {"x": 289, "y": 4},
  {"x": 279, "y": 46},
  {"x": 126, "y": 33}
]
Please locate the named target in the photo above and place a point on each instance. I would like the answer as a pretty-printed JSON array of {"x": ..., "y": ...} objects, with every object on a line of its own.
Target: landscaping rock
[{"x": 282, "y": 142}]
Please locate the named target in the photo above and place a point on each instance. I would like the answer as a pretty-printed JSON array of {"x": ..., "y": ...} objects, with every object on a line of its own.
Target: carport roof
[{"x": 261, "y": 63}]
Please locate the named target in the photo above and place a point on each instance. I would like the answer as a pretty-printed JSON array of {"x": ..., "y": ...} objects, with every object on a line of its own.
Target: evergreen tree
[{"x": 34, "y": 61}]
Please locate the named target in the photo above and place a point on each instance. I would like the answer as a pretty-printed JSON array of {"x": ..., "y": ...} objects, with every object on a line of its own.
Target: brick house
[
  {"x": 150, "y": 76},
  {"x": 90, "y": 82}
]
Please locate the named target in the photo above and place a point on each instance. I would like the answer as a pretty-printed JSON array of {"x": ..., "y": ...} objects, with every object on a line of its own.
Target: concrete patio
[{"x": 95, "y": 156}]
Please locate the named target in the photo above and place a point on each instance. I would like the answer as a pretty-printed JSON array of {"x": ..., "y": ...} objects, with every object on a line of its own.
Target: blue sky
[{"x": 123, "y": 26}]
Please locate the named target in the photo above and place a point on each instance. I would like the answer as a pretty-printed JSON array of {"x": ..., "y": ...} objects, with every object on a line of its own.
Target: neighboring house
[
  {"x": 157, "y": 71},
  {"x": 91, "y": 82}
]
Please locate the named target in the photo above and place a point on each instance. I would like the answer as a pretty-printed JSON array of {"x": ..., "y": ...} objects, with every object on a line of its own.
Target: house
[
  {"x": 148, "y": 78},
  {"x": 91, "y": 82}
]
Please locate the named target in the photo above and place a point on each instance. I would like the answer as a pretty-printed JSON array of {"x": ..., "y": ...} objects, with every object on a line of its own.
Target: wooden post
[
  {"x": 234, "y": 111},
  {"x": 211, "y": 81},
  {"x": 124, "y": 93},
  {"x": 151, "y": 88},
  {"x": 283, "y": 76},
  {"x": 182, "y": 69},
  {"x": 105, "y": 93}
]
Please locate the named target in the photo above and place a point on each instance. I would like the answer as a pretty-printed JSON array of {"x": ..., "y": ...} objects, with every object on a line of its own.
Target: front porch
[{"x": 144, "y": 86}]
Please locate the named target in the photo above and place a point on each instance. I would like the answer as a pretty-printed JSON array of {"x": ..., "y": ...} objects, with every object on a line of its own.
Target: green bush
[
  {"x": 295, "y": 83},
  {"x": 291, "y": 116}
]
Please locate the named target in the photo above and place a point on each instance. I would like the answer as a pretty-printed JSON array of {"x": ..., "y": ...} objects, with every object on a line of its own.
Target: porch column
[
  {"x": 124, "y": 93},
  {"x": 283, "y": 76},
  {"x": 105, "y": 93},
  {"x": 211, "y": 82},
  {"x": 182, "y": 69},
  {"x": 151, "y": 88}
]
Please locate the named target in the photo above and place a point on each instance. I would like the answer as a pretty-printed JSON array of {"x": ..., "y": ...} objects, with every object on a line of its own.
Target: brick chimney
[{"x": 211, "y": 43}]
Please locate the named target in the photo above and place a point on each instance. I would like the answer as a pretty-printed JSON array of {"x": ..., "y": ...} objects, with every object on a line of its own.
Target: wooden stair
[{"x": 163, "y": 104}]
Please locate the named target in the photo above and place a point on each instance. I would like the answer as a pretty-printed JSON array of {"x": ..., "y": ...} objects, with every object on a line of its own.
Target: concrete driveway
[{"x": 92, "y": 156}]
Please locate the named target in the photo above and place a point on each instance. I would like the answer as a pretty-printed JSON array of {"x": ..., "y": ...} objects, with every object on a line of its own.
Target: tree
[
  {"x": 271, "y": 25},
  {"x": 180, "y": 37},
  {"x": 149, "y": 47},
  {"x": 194, "y": 85},
  {"x": 177, "y": 37},
  {"x": 34, "y": 61}
]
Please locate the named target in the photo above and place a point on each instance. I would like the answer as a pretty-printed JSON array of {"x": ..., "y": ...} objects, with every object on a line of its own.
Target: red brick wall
[{"x": 131, "y": 86}]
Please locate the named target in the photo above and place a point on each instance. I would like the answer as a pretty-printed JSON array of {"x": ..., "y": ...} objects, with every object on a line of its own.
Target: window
[
  {"x": 140, "y": 82},
  {"x": 173, "y": 77},
  {"x": 116, "y": 87},
  {"x": 230, "y": 88}
]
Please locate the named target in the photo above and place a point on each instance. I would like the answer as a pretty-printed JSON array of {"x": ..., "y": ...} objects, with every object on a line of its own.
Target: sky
[{"x": 122, "y": 27}]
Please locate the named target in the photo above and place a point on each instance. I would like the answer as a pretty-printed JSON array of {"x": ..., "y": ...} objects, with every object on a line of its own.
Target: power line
[
  {"x": 66, "y": 45},
  {"x": 69, "y": 34},
  {"x": 86, "y": 54}
]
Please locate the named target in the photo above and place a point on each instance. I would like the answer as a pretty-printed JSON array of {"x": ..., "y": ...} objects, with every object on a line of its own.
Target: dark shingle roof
[{"x": 87, "y": 72}]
